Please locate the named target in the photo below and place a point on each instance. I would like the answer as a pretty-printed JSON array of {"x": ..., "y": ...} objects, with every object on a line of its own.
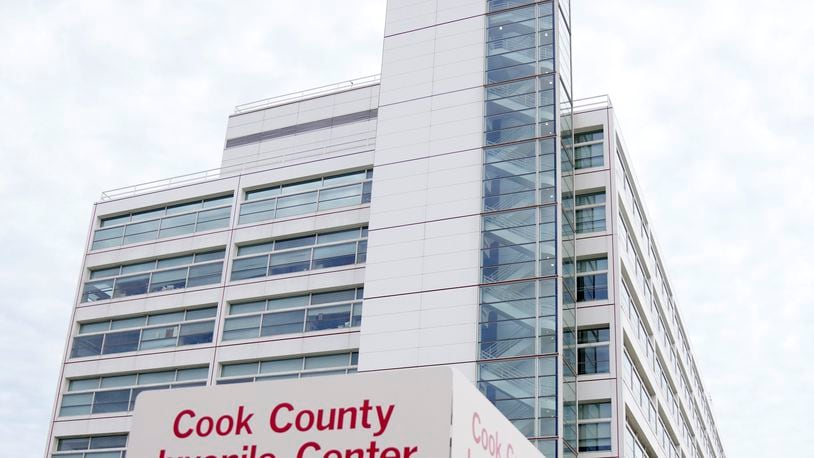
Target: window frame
[
  {"x": 142, "y": 270},
  {"x": 592, "y": 159},
  {"x": 155, "y": 219},
  {"x": 116, "y": 385},
  {"x": 593, "y": 206},
  {"x": 301, "y": 188},
  {"x": 600, "y": 342},
  {"x": 303, "y": 371},
  {"x": 142, "y": 329},
  {"x": 354, "y": 304},
  {"x": 293, "y": 247}
]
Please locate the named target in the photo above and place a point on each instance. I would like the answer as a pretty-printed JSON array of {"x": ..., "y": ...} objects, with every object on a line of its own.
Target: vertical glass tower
[{"x": 527, "y": 306}]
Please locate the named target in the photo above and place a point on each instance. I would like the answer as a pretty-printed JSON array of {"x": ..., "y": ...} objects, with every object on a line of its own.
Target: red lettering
[
  {"x": 305, "y": 446},
  {"x": 475, "y": 420},
  {"x": 286, "y": 426},
  {"x": 224, "y": 429},
  {"x": 205, "y": 426},
  {"x": 409, "y": 451},
  {"x": 243, "y": 422},
  {"x": 177, "y": 422},
  {"x": 391, "y": 452},
  {"x": 309, "y": 421}
]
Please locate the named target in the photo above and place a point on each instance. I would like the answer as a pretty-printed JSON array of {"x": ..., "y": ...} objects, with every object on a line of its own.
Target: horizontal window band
[{"x": 304, "y": 127}]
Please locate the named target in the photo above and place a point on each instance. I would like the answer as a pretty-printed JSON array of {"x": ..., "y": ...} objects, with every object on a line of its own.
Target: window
[
  {"x": 588, "y": 149},
  {"x": 168, "y": 221},
  {"x": 304, "y": 366},
  {"x": 510, "y": 173},
  {"x": 511, "y": 323},
  {"x": 159, "y": 330},
  {"x": 300, "y": 254},
  {"x": 594, "y": 426},
  {"x": 590, "y": 212},
  {"x": 91, "y": 447},
  {"x": 510, "y": 244},
  {"x": 514, "y": 38},
  {"x": 592, "y": 279},
  {"x": 155, "y": 275},
  {"x": 117, "y": 393},
  {"x": 592, "y": 351},
  {"x": 295, "y": 314},
  {"x": 512, "y": 387},
  {"x": 633, "y": 446},
  {"x": 308, "y": 196}
]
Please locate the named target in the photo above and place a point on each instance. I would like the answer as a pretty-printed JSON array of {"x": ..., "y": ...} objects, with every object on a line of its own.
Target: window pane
[
  {"x": 97, "y": 291},
  {"x": 287, "y": 302},
  {"x": 184, "y": 208},
  {"x": 130, "y": 286},
  {"x": 242, "y": 328},
  {"x": 333, "y": 296},
  {"x": 76, "y": 404},
  {"x": 111, "y": 401},
  {"x": 87, "y": 346},
  {"x": 115, "y": 381},
  {"x": 124, "y": 323},
  {"x": 177, "y": 225},
  {"x": 118, "y": 342},
  {"x": 255, "y": 249},
  {"x": 251, "y": 212},
  {"x": 283, "y": 323},
  {"x": 328, "y": 318},
  {"x": 231, "y": 370},
  {"x": 108, "y": 442},
  {"x": 197, "y": 314},
  {"x": 281, "y": 365},
  {"x": 209, "y": 256},
  {"x": 334, "y": 255},
  {"x": 196, "y": 333},
  {"x": 159, "y": 337},
  {"x": 164, "y": 318},
  {"x": 169, "y": 280},
  {"x": 291, "y": 261},
  {"x": 154, "y": 378},
  {"x": 140, "y": 232},
  {"x": 263, "y": 193},
  {"x": 249, "y": 268},
  {"x": 213, "y": 219},
  {"x": 83, "y": 384},
  {"x": 326, "y": 361},
  {"x": 294, "y": 243},
  {"x": 205, "y": 274},
  {"x": 195, "y": 373},
  {"x": 248, "y": 307},
  {"x": 172, "y": 262},
  {"x": 338, "y": 236}
]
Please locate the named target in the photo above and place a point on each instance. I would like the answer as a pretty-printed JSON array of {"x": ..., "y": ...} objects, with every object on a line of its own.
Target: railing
[
  {"x": 592, "y": 103},
  {"x": 307, "y": 93},
  {"x": 301, "y": 156}
]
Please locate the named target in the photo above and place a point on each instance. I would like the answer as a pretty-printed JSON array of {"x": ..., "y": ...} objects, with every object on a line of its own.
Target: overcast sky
[{"x": 714, "y": 98}]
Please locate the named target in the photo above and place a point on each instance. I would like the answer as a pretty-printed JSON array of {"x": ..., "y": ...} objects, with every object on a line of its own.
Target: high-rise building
[{"x": 461, "y": 209}]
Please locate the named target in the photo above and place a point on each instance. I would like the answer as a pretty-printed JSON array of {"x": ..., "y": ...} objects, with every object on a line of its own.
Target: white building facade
[{"x": 457, "y": 210}]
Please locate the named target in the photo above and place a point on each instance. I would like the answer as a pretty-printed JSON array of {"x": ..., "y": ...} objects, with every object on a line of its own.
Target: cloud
[
  {"x": 714, "y": 100},
  {"x": 97, "y": 95}
]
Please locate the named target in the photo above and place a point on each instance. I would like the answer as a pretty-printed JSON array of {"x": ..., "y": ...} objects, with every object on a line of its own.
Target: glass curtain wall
[{"x": 527, "y": 312}]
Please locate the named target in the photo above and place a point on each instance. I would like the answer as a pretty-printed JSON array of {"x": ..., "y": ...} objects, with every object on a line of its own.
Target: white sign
[{"x": 408, "y": 413}]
